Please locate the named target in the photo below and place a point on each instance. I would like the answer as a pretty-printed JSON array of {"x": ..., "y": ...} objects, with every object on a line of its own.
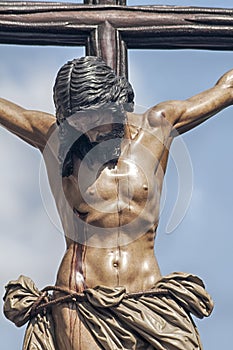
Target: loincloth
[{"x": 157, "y": 319}]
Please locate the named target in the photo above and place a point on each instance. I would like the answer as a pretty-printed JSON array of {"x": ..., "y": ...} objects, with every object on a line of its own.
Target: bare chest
[
  {"x": 136, "y": 178},
  {"x": 127, "y": 181}
]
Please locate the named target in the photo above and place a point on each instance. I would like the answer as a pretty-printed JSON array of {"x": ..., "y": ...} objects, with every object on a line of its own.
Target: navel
[{"x": 116, "y": 265}]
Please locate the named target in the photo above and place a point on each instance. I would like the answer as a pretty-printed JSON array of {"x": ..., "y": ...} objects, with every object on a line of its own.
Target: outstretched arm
[
  {"x": 185, "y": 115},
  {"x": 31, "y": 126}
]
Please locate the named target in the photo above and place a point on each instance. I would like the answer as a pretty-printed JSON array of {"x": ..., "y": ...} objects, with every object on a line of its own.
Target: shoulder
[{"x": 165, "y": 113}]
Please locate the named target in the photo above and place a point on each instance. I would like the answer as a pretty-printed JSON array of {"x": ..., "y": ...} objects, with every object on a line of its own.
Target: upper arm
[
  {"x": 34, "y": 127},
  {"x": 201, "y": 107},
  {"x": 187, "y": 114},
  {"x": 38, "y": 128}
]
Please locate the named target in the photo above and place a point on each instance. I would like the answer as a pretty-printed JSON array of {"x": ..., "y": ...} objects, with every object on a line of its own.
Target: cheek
[{"x": 106, "y": 129}]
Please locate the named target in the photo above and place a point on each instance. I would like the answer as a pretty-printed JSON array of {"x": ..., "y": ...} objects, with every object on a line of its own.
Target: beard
[
  {"x": 106, "y": 151},
  {"x": 107, "y": 148}
]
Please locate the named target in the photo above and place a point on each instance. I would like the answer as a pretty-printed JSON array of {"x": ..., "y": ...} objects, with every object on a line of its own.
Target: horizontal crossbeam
[
  {"x": 109, "y": 30},
  {"x": 147, "y": 27}
]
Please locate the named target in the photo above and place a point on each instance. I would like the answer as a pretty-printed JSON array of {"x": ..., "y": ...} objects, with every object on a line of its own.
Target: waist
[{"x": 133, "y": 266}]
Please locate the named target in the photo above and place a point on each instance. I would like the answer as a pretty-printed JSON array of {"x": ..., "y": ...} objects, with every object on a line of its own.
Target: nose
[{"x": 92, "y": 135}]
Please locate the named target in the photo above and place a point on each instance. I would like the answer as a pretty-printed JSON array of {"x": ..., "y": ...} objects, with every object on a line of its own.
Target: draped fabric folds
[
  {"x": 18, "y": 301},
  {"x": 117, "y": 322}
]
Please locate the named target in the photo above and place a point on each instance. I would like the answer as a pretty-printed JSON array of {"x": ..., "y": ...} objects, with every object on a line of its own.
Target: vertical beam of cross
[{"x": 106, "y": 41}]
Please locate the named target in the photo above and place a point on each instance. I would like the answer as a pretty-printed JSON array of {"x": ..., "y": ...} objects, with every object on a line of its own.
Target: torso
[{"x": 111, "y": 236}]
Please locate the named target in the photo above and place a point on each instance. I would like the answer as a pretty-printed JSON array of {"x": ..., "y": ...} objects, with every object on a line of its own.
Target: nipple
[{"x": 91, "y": 192}]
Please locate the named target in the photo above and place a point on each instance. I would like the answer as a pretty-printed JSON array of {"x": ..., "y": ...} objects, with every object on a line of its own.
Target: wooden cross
[{"x": 108, "y": 28}]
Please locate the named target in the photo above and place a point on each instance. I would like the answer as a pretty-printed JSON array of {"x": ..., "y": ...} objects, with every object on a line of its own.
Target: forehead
[
  {"x": 104, "y": 115},
  {"x": 90, "y": 119}
]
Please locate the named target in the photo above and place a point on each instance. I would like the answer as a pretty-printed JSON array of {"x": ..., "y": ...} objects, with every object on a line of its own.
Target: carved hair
[
  {"x": 83, "y": 84},
  {"x": 88, "y": 83}
]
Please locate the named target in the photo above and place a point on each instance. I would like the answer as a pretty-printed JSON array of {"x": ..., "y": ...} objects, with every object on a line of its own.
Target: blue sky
[{"x": 202, "y": 244}]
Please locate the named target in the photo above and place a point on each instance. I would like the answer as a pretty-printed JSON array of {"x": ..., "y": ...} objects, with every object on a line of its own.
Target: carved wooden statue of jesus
[{"x": 106, "y": 167}]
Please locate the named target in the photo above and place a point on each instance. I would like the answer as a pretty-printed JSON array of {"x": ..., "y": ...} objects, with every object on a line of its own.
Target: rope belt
[{"x": 41, "y": 305}]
